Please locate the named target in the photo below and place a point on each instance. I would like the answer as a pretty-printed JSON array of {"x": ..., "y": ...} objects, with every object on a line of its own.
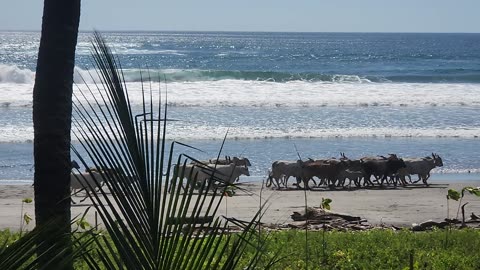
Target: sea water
[{"x": 278, "y": 95}]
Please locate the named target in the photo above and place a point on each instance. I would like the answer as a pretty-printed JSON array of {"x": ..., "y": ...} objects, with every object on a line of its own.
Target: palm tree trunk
[{"x": 52, "y": 110}]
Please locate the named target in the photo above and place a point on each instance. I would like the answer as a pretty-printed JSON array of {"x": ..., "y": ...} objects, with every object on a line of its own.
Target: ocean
[{"x": 279, "y": 95}]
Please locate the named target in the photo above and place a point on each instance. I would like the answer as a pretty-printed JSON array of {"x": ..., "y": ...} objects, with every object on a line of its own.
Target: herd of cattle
[
  {"x": 331, "y": 172},
  {"x": 334, "y": 172}
]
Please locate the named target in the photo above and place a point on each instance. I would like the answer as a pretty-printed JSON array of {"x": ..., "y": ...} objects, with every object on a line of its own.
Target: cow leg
[
  {"x": 391, "y": 179},
  {"x": 305, "y": 184},
  {"x": 341, "y": 181},
  {"x": 285, "y": 180},
  {"x": 409, "y": 179},
  {"x": 350, "y": 182},
  {"x": 402, "y": 180},
  {"x": 394, "y": 179},
  {"x": 278, "y": 182},
  {"x": 419, "y": 178},
  {"x": 269, "y": 181},
  {"x": 358, "y": 181},
  {"x": 367, "y": 181},
  {"x": 323, "y": 182},
  {"x": 424, "y": 179},
  {"x": 377, "y": 178},
  {"x": 384, "y": 178},
  {"x": 331, "y": 183}
]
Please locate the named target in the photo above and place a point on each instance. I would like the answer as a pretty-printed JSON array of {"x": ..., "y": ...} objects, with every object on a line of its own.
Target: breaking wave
[
  {"x": 15, "y": 74},
  {"x": 194, "y": 75}
]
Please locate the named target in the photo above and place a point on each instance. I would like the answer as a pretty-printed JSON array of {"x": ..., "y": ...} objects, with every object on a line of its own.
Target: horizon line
[{"x": 245, "y": 31}]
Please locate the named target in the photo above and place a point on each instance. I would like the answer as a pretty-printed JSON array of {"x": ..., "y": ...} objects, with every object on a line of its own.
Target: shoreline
[
  {"x": 435, "y": 178},
  {"x": 401, "y": 206}
]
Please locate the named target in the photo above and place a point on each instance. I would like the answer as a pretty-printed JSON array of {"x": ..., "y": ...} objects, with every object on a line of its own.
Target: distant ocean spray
[{"x": 323, "y": 92}]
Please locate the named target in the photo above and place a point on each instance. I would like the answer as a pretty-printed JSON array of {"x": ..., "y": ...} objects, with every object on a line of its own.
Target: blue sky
[{"x": 260, "y": 15}]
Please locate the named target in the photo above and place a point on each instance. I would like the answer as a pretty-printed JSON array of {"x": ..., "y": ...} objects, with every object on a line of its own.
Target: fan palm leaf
[
  {"x": 154, "y": 220},
  {"x": 23, "y": 252}
]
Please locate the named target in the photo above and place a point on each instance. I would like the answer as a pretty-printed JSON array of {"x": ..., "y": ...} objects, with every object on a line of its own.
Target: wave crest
[
  {"x": 194, "y": 75},
  {"x": 14, "y": 74}
]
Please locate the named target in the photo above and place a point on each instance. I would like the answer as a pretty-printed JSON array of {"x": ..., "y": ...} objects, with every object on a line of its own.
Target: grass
[
  {"x": 379, "y": 249},
  {"x": 375, "y": 249}
]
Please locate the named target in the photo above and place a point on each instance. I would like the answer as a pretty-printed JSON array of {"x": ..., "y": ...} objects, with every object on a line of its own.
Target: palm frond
[
  {"x": 22, "y": 253},
  {"x": 154, "y": 220}
]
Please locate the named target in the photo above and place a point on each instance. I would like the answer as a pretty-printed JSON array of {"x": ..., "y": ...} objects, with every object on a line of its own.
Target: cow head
[
  {"x": 241, "y": 161},
  {"x": 392, "y": 157},
  {"x": 244, "y": 171},
  {"x": 354, "y": 164},
  {"x": 402, "y": 163},
  {"x": 437, "y": 160}
]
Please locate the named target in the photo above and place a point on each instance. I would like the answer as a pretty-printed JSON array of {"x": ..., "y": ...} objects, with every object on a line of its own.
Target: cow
[
  {"x": 422, "y": 167},
  {"x": 323, "y": 169},
  {"x": 245, "y": 162},
  {"x": 381, "y": 167},
  {"x": 241, "y": 161},
  {"x": 222, "y": 173},
  {"x": 352, "y": 175},
  {"x": 94, "y": 178},
  {"x": 87, "y": 181},
  {"x": 227, "y": 160},
  {"x": 271, "y": 178},
  {"x": 282, "y": 170}
]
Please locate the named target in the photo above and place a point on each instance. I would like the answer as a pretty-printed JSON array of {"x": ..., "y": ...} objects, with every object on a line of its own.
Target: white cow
[
  {"x": 421, "y": 167},
  {"x": 85, "y": 181},
  {"x": 92, "y": 180},
  {"x": 227, "y": 160},
  {"x": 223, "y": 173}
]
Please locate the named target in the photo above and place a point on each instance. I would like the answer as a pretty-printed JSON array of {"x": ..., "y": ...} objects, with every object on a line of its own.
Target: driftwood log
[
  {"x": 453, "y": 223},
  {"x": 318, "y": 218}
]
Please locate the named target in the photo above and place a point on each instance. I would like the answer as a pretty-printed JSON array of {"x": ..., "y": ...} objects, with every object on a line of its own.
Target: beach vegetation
[
  {"x": 455, "y": 195},
  {"x": 326, "y": 203},
  {"x": 25, "y": 218},
  {"x": 373, "y": 249}
]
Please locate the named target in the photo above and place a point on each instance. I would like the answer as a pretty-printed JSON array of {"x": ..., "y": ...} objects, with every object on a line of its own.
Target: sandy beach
[{"x": 400, "y": 206}]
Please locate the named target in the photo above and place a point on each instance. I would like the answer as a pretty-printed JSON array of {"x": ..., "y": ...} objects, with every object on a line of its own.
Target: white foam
[
  {"x": 314, "y": 94},
  {"x": 16, "y": 95},
  {"x": 239, "y": 93},
  {"x": 188, "y": 131},
  {"x": 456, "y": 170},
  {"x": 16, "y": 134},
  {"x": 195, "y": 132},
  {"x": 14, "y": 74}
]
